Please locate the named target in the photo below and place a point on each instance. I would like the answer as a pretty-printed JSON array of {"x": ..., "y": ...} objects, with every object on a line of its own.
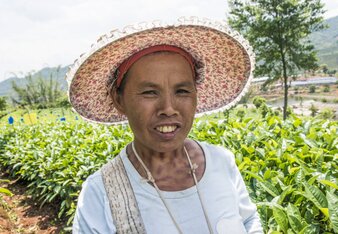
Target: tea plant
[
  {"x": 290, "y": 167},
  {"x": 56, "y": 158},
  {"x": 4, "y": 192}
]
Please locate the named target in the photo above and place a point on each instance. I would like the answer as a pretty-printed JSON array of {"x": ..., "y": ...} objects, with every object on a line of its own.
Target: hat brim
[{"x": 224, "y": 66}]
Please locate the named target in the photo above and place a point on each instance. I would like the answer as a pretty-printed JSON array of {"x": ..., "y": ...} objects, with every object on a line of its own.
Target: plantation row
[{"x": 290, "y": 167}]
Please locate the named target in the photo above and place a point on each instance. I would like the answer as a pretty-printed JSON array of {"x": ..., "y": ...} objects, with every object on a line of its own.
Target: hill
[
  {"x": 326, "y": 43},
  {"x": 47, "y": 72}
]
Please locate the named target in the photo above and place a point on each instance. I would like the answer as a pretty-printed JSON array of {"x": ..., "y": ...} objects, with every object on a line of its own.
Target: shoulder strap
[{"x": 123, "y": 205}]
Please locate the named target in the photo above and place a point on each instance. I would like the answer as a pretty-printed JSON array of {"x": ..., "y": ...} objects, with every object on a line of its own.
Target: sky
[{"x": 46, "y": 33}]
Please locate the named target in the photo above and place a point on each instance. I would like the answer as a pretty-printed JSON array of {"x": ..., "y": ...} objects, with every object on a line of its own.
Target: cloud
[
  {"x": 331, "y": 7},
  {"x": 44, "y": 32}
]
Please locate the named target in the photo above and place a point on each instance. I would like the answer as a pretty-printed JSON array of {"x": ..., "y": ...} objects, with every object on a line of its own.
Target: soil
[{"x": 21, "y": 214}]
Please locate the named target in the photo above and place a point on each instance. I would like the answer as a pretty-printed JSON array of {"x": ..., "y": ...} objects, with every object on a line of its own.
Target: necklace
[{"x": 152, "y": 180}]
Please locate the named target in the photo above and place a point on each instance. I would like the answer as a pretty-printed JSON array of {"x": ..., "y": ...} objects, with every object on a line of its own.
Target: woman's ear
[{"x": 118, "y": 100}]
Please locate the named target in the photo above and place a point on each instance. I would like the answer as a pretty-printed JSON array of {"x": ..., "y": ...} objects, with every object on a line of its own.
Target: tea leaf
[{"x": 280, "y": 218}]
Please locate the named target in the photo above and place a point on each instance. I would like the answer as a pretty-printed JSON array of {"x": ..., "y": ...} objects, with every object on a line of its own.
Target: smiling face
[{"x": 159, "y": 98}]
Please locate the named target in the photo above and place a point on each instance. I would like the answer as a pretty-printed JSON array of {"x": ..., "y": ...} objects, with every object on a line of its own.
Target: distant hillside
[
  {"x": 326, "y": 44},
  {"x": 46, "y": 73}
]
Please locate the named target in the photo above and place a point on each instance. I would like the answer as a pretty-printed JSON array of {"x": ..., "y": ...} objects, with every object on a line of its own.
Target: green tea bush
[
  {"x": 327, "y": 113},
  {"x": 259, "y": 101},
  {"x": 290, "y": 167},
  {"x": 312, "y": 89},
  {"x": 240, "y": 113},
  {"x": 313, "y": 109},
  {"x": 56, "y": 158},
  {"x": 326, "y": 89}
]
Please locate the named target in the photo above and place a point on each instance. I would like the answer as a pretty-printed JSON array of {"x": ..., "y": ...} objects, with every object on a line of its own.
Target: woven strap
[{"x": 123, "y": 205}]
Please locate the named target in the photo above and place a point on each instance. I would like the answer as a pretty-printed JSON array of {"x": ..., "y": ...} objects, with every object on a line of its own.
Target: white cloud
[
  {"x": 47, "y": 32},
  {"x": 331, "y": 8}
]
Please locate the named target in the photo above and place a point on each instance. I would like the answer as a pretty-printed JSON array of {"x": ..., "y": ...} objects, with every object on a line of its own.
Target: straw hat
[{"x": 223, "y": 60}]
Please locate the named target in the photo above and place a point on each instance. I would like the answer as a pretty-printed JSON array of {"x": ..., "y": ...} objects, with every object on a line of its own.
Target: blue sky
[{"x": 39, "y": 33}]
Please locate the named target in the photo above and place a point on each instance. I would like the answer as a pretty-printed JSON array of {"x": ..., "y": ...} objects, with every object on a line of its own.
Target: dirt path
[{"x": 21, "y": 214}]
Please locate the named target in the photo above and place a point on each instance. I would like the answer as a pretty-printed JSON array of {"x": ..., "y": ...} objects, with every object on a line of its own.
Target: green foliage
[
  {"x": 3, "y": 103},
  {"x": 332, "y": 72},
  {"x": 260, "y": 104},
  {"x": 313, "y": 109},
  {"x": 327, "y": 113},
  {"x": 40, "y": 92},
  {"x": 63, "y": 102},
  {"x": 278, "y": 32},
  {"x": 324, "y": 68},
  {"x": 240, "y": 113},
  {"x": 258, "y": 101},
  {"x": 4, "y": 192},
  {"x": 326, "y": 89},
  {"x": 56, "y": 158},
  {"x": 42, "y": 115},
  {"x": 312, "y": 89},
  {"x": 290, "y": 167}
]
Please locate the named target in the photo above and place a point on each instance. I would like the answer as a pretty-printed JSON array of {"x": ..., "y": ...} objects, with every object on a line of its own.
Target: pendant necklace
[{"x": 152, "y": 180}]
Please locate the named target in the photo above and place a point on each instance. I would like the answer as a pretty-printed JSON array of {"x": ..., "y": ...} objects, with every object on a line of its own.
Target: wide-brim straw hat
[{"x": 223, "y": 59}]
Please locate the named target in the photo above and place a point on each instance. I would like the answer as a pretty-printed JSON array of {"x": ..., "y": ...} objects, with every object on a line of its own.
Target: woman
[{"x": 163, "y": 182}]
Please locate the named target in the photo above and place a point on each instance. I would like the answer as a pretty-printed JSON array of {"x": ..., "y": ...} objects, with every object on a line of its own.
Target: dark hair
[
  {"x": 120, "y": 89},
  {"x": 111, "y": 83}
]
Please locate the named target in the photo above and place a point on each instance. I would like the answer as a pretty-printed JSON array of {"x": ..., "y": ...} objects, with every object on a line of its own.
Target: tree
[
  {"x": 324, "y": 68},
  {"x": 331, "y": 72},
  {"x": 38, "y": 91},
  {"x": 3, "y": 103},
  {"x": 278, "y": 30}
]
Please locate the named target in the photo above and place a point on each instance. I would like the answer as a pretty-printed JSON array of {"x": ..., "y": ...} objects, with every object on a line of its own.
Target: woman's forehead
[{"x": 159, "y": 67}]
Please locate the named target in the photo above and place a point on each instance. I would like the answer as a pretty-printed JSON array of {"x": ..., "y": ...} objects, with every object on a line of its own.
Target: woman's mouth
[{"x": 166, "y": 128}]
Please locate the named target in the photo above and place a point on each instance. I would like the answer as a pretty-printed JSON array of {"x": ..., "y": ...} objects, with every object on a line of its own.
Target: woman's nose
[{"x": 167, "y": 105}]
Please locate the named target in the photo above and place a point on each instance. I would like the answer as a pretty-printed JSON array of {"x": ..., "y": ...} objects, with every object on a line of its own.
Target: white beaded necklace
[{"x": 152, "y": 180}]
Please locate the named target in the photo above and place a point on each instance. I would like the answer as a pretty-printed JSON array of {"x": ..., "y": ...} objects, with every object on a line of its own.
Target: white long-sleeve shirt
[{"x": 223, "y": 191}]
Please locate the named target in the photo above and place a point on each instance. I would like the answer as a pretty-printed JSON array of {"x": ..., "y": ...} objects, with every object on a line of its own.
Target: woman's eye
[
  {"x": 149, "y": 92},
  {"x": 182, "y": 91}
]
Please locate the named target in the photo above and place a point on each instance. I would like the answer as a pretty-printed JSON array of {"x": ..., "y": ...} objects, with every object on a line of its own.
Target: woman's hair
[{"x": 111, "y": 83}]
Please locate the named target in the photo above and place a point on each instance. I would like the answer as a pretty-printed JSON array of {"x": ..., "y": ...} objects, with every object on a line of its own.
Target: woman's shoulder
[
  {"x": 218, "y": 156},
  {"x": 216, "y": 150},
  {"x": 93, "y": 183},
  {"x": 95, "y": 180}
]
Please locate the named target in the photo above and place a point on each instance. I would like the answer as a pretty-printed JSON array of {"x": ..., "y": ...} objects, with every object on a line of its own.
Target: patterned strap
[{"x": 123, "y": 205}]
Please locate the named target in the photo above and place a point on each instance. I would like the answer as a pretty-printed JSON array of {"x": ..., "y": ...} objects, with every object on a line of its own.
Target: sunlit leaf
[
  {"x": 280, "y": 218},
  {"x": 333, "y": 209}
]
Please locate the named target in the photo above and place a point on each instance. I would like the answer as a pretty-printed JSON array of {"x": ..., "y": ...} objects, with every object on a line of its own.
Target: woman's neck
[
  {"x": 154, "y": 159},
  {"x": 171, "y": 170}
]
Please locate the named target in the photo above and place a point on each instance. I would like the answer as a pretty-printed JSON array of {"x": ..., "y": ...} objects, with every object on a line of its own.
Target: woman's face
[{"x": 159, "y": 99}]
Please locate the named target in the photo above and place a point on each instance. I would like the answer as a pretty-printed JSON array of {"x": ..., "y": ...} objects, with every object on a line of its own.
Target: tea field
[
  {"x": 29, "y": 117},
  {"x": 290, "y": 167}
]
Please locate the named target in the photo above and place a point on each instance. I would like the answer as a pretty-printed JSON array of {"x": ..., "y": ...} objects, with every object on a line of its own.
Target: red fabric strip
[{"x": 124, "y": 67}]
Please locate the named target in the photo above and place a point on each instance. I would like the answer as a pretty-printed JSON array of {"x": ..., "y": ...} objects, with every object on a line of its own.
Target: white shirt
[{"x": 223, "y": 191}]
